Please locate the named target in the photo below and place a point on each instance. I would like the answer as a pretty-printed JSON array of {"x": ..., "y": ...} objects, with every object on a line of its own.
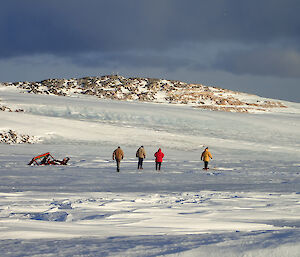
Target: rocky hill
[{"x": 151, "y": 90}]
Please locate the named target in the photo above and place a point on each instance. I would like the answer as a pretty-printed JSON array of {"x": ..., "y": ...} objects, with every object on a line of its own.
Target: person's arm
[{"x": 114, "y": 154}]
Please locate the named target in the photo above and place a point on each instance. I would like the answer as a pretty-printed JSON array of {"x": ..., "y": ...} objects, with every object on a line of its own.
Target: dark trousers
[
  {"x": 140, "y": 164},
  {"x": 118, "y": 164},
  {"x": 157, "y": 165},
  {"x": 205, "y": 165}
]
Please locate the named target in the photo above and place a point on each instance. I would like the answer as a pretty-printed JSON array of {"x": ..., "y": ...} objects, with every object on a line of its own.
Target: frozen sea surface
[{"x": 247, "y": 204}]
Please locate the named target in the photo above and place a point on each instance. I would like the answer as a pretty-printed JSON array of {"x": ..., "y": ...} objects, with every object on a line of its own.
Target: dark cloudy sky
[{"x": 251, "y": 46}]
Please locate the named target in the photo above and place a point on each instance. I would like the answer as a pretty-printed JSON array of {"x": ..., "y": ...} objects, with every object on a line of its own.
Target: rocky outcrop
[
  {"x": 12, "y": 137},
  {"x": 149, "y": 90},
  {"x": 5, "y": 108},
  {"x": 8, "y": 109},
  {"x": 224, "y": 108}
]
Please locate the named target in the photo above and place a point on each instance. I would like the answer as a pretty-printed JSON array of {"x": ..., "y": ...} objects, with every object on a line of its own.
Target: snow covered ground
[{"x": 247, "y": 204}]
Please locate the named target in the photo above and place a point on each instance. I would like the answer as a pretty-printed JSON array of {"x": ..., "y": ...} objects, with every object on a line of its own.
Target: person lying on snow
[{"x": 58, "y": 162}]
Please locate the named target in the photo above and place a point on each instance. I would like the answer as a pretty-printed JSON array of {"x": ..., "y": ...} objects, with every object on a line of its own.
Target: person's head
[
  {"x": 119, "y": 147},
  {"x": 206, "y": 148},
  {"x": 142, "y": 146}
]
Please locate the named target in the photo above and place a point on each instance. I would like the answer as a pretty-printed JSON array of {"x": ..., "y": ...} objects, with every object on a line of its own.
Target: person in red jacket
[{"x": 159, "y": 155}]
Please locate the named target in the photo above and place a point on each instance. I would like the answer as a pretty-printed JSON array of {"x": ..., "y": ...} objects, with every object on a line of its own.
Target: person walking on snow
[
  {"x": 141, "y": 154},
  {"x": 159, "y": 155},
  {"x": 118, "y": 155},
  {"x": 206, "y": 156}
]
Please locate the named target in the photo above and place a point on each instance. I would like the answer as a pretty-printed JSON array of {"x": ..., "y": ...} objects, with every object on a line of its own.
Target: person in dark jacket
[
  {"x": 141, "y": 154},
  {"x": 118, "y": 155},
  {"x": 159, "y": 155}
]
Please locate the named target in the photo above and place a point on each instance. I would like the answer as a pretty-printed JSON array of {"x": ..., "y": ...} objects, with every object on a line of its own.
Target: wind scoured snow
[{"x": 247, "y": 204}]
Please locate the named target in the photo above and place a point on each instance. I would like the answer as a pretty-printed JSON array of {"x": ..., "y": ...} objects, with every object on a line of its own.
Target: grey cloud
[
  {"x": 172, "y": 37},
  {"x": 71, "y": 27},
  {"x": 262, "y": 61},
  {"x": 130, "y": 60}
]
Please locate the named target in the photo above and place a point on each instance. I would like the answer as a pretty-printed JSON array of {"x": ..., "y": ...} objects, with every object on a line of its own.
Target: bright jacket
[
  {"x": 206, "y": 156},
  {"x": 141, "y": 153},
  {"x": 159, "y": 155},
  {"x": 118, "y": 154}
]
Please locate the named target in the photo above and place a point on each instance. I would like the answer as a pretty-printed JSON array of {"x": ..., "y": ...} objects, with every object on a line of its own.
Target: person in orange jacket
[
  {"x": 118, "y": 155},
  {"x": 206, "y": 156},
  {"x": 159, "y": 155}
]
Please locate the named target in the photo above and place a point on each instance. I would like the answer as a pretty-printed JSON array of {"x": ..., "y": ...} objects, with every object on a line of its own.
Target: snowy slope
[{"x": 248, "y": 204}]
